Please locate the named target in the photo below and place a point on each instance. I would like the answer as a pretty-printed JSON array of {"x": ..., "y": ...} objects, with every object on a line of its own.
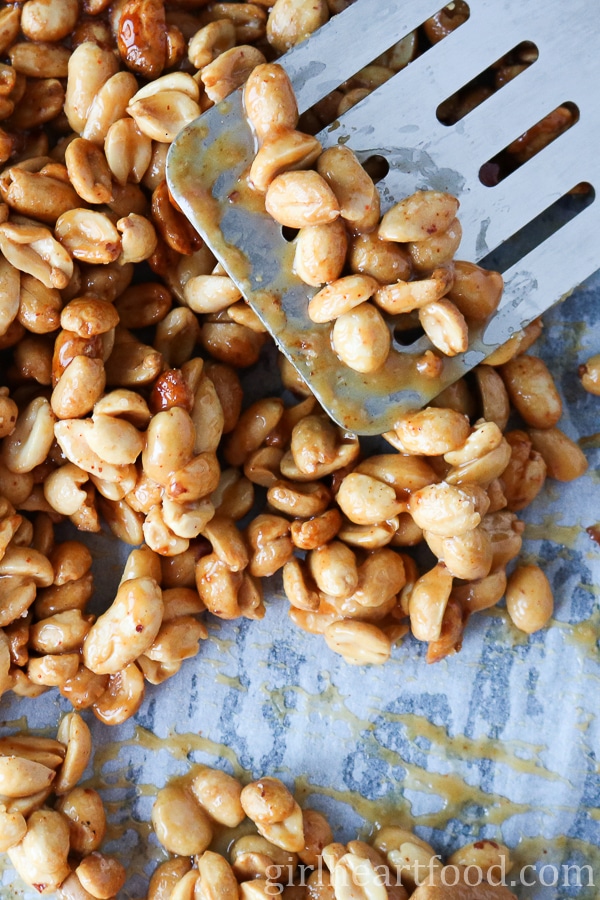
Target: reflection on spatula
[{"x": 208, "y": 164}]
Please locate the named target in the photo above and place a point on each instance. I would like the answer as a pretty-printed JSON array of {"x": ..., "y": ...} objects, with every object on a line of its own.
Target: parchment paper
[{"x": 500, "y": 740}]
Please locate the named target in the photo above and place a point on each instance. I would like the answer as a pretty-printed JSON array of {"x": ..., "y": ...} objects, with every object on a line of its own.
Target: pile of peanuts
[
  {"x": 292, "y": 852},
  {"x": 397, "y": 265},
  {"x": 43, "y": 620},
  {"x": 336, "y": 209},
  {"x": 47, "y": 639},
  {"x": 456, "y": 485},
  {"x": 123, "y": 339},
  {"x": 50, "y": 828}
]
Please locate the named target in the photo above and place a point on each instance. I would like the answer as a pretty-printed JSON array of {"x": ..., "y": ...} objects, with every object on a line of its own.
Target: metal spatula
[{"x": 209, "y": 161}]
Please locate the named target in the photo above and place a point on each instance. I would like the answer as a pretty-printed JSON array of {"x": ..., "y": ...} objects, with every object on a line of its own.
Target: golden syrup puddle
[
  {"x": 590, "y": 441},
  {"x": 549, "y": 530},
  {"x": 585, "y": 634}
]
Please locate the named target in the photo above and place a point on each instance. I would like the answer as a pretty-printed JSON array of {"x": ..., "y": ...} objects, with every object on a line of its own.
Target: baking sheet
[{"x": 499, "y": 741}]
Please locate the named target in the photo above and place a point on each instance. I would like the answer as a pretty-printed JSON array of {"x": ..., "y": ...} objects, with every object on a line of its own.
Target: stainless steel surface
[{"x": 209, "y": 161}]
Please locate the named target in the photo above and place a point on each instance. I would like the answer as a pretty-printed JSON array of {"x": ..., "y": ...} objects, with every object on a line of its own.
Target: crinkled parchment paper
[{"x": 501, "y": 740}]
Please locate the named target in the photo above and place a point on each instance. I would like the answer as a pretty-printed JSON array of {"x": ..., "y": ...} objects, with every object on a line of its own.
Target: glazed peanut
[
  {"x": 282, "y": 152},
  {"x": 219, "y": 794},
  {"x": 428, "y": 601},
  {"x": 437, "y": 250},
  {"x": 445, "y": 510},
  {"x": 359, "y": 643},
  {"x": 269, "y": 100},
  {"x": 418, "y": 217},
  {"x": 366, "y": 500},
  {"x": 564, "y": 458},
  {"x": 217, "y": 877},
  {"x": 475, "y": 291},
  {"x": 432, "y": 432},
  {"x": 230, "y": 70},
  {"x": 298, "y": 199},
  {"x": 86, "y": 818},
  {"x": 529, "y": 598},
  {"x": 340, "y": 297},
  {"x": 320, "y": 252},
  {"x": 532, "y": 391},
  {"x": 180, "y": 824},
  {"x": 41, "y": 856},
  {"x": 275, "y": 812},
  {"x": 589, "y": 372},
  {"x": 406, "y": 296},
  {"x": 127, "y": 629},
  {"x": 485, "y": 854},
  {"x": 445, "y": 326},
  {"x": 361, "y": 338},
  {"x": 354, "y": 189}
]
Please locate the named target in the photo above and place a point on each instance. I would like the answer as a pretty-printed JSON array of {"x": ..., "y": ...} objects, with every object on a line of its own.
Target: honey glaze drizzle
[
  {"x": 590, "y": 441},
  {"x": 518, "y": 755},
  {"x": 549, "y": 530},
  {"x": 458, "y": 797},
  {"x": 461, "y": 747}
]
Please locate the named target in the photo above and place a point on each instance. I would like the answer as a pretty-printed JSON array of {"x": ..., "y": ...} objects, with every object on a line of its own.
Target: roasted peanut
[
  {"x": 432, "y": 432},
  {"x": 589, "y": 372},
  {"x": 141, "y": 36},
  {"x": 418, "y": 217},
  {"x": 219, "y": 794},
  {"x": 341, "y": 296},
  {"x": 282, "y": 152},
  {"x": 41, "y": 856},
  {"x": 356, "y": 194},
  {"x": 529, "y": 599},
  {"x": 291, "y": 21},
  {"x": 269, "y": 100},
  {"x": 90, "y": 66},
  {"x": 485, "y": 854},
  {"x": 180, "y": 823},
  {"x": 122, "y": 697},
  {"x": 127, "y": 629},
  {"x": 428, "y": 601},
  {"x": 229, "y": 71},
  {"x": 447, "y": 510},
  {"x": 532, "y": 391},
  {"x": 359, "y": 643},
  {"x": 475, "y": 291},
  {"x": 564, "y": 458},
  {"x": 298, "y": 199},
  {"x": 275, "y": 812},
  {"x": 361, "y": 338},
  {"x": 320, "y": 252}
]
